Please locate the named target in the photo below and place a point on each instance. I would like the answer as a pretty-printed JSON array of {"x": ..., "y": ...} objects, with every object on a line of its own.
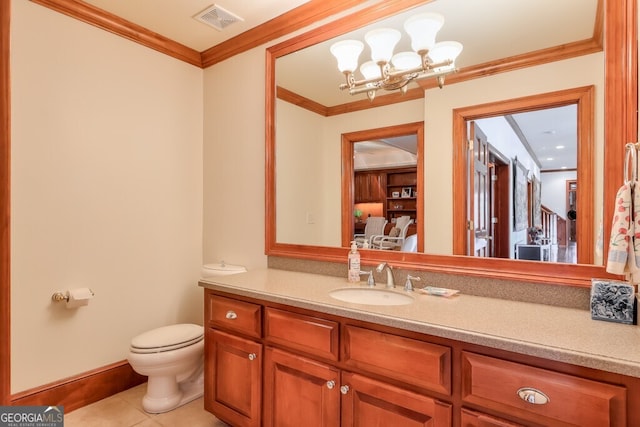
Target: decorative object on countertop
[
  {"x": 353, "y": 260},
  {"x": 624, "y": 243},
  {"x": 613, "y": 301},
  {"x": 441, "y": 292}
]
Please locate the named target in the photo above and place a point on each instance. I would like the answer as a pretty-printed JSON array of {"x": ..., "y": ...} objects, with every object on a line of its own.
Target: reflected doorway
[
  {"x": 534, "y": 218},
  {"x": 397, "y": 190}
]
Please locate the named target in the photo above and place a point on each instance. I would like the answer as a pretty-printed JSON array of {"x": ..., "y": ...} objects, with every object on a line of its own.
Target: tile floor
[{"x": 125, "y": 410}]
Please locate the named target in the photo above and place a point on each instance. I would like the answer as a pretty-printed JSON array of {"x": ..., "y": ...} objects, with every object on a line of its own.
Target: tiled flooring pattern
[{"x": 125, "y": 410}]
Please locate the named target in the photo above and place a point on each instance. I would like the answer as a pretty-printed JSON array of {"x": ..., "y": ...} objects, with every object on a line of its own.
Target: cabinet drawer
[
  {"x": 478, "y": 419},
  {"x": 497, "y": 384},
  {"x": 299, "y": 332},
  {"x": 233, "y": 315},
  {"x": 411, "y": 361}
]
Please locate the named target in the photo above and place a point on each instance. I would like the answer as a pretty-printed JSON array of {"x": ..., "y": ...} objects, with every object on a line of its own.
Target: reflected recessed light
[
  {"x": 549, "y": 158},
  {"x": 549, "y": 132},
  {"x": 559, "y": 147},
  {"x": 563, "y": 167}
]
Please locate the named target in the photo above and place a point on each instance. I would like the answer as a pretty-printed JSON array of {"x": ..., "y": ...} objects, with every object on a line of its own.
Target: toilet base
[{"x": 164, "y": 394}]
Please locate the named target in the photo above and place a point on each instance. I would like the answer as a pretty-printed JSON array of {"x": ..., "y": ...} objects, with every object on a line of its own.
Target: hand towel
[{"x": 624, "y": 244}]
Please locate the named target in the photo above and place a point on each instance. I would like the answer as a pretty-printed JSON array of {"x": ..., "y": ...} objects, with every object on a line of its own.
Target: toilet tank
[{"x": 221, "y": 269}]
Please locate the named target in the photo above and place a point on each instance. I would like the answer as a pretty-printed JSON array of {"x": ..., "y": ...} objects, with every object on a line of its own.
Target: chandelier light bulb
[
  {"x": 406, "y": 61},
  {"x": 347, "y": 53},
  {"x": 444, "y": 51},
  {"x": 382, "y": 42},
  {"x": 422, "y": 29},
  {"x": 370, "y": 70}
]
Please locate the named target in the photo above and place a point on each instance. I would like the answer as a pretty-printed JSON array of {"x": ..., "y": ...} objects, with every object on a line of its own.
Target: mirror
[{"x": 618, "y": 116}]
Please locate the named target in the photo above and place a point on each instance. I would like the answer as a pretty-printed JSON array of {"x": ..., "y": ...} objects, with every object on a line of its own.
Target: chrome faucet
[
  {"x": 408, "y": 285},
  {"x": 370, "y": 280},
  {"x": 384, "y": 266}
]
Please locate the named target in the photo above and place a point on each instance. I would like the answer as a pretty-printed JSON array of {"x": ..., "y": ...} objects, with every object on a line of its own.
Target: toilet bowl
[{"x": 173, "y": 359}]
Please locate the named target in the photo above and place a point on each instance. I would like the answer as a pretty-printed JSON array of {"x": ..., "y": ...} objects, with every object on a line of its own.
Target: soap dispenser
[{"x": 354, "y": 264}]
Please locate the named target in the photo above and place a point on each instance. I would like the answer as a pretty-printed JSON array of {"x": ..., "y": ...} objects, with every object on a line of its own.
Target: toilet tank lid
[
  {"x": 168, "y": 335},
  {"x": 222, "y": 267}
]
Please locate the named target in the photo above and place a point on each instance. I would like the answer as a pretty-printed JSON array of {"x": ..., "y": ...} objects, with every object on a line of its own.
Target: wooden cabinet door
[
  {"x": 299, "y": 391},
  {"x": 372, "y": 403},
  {"x": 233, "y": 378},
  {"x": 369, "y": 187},
  {"x": 477, "y": 419}
]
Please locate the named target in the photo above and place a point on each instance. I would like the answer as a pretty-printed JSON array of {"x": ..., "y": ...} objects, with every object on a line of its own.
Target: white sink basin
[{"x": 370, "y": 296}]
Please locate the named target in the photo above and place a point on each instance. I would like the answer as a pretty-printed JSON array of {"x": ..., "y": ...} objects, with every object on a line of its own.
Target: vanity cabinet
[
  {"x": 233, "y": 367},
  {"x": 274, "y": 365}
]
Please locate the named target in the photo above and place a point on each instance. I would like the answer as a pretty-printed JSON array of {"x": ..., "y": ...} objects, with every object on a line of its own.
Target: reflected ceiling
[{"x": 480, "y": 29}]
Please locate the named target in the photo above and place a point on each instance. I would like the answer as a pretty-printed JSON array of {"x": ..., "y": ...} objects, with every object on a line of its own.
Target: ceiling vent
[{"x": 217, "y": 17}]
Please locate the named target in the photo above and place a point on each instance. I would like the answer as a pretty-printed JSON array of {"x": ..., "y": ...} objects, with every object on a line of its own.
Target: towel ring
[{"x": 630, "y": 163}]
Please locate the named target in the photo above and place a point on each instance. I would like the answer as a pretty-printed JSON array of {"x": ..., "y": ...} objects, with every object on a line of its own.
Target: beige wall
[
  {"x": 234, "y": 161},
  {"x": 106, "y": 193}
]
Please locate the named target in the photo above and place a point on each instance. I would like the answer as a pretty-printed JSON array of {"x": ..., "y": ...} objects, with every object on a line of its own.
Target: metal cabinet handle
[
  {"x": 252, "y": 356},
  {"x": 231, "y": 315},
  {"x": 533, "y": 396},
  {"x": 344, "y": 389},
  {"x": 331, "y": 384}
]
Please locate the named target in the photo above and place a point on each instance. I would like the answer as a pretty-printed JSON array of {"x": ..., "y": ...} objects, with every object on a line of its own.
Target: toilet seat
[{"x": 167, "y": 338}]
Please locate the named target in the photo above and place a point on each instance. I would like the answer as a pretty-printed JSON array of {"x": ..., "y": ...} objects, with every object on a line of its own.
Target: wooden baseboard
[{"x": 83, "y": 389}]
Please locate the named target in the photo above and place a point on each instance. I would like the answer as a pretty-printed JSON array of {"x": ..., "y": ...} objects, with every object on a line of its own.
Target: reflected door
[{"x": 480, "y": 234}]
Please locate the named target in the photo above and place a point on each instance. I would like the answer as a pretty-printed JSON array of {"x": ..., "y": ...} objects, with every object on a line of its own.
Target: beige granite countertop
[{"x": 555, "y": 333}]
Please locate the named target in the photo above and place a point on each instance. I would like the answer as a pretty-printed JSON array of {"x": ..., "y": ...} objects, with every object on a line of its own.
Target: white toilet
[{"x": 173, "y": 359}]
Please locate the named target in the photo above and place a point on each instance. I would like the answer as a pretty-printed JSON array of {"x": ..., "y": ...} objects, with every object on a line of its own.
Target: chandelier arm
[
  {"x": 364, "y": 82},
  {"x": 431, "y": 74},
  {"x": 362, "y": 89}
]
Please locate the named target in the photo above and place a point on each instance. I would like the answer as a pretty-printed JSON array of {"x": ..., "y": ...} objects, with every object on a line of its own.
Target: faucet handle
[
  {"x": 408, "y": 285},
  {"x": 371, "y": 282}
]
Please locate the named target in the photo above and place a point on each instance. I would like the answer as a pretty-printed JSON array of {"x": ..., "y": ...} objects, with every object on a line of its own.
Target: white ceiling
[
  {"x": 174, "y": 18},
  {"x": 488, "y": 29}
]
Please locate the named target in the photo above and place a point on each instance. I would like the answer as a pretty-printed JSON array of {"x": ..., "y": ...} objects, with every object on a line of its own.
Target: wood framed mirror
[{"x": 620, "y": 101}]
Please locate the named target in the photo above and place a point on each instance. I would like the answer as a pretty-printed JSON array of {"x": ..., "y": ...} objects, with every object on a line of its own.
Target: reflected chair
[
  {"x": 410, "y": 244},
  {"x": 396, "y": 236},
  {"x": 374, "y": 227}
]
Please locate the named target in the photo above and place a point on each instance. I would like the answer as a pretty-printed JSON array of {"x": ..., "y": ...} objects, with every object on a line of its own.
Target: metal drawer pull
[
  {"x": 344, "y": 389},
  {"x": 231, "y": 315},
  {"x": 252, "y": 356},
  {"x": 533, "y": 396},
  {"x": 331, "y": 384}
]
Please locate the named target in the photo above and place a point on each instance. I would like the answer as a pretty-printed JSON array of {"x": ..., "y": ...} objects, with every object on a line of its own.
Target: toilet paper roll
[{"x": 79, "y": 297}]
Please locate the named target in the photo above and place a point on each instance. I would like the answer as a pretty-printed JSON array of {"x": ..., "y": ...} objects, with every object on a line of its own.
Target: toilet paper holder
[{"x": 60, "y": 296}]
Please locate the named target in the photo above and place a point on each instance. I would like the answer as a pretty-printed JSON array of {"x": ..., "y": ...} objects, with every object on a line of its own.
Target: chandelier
[{"x": 394, "y": 72}]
